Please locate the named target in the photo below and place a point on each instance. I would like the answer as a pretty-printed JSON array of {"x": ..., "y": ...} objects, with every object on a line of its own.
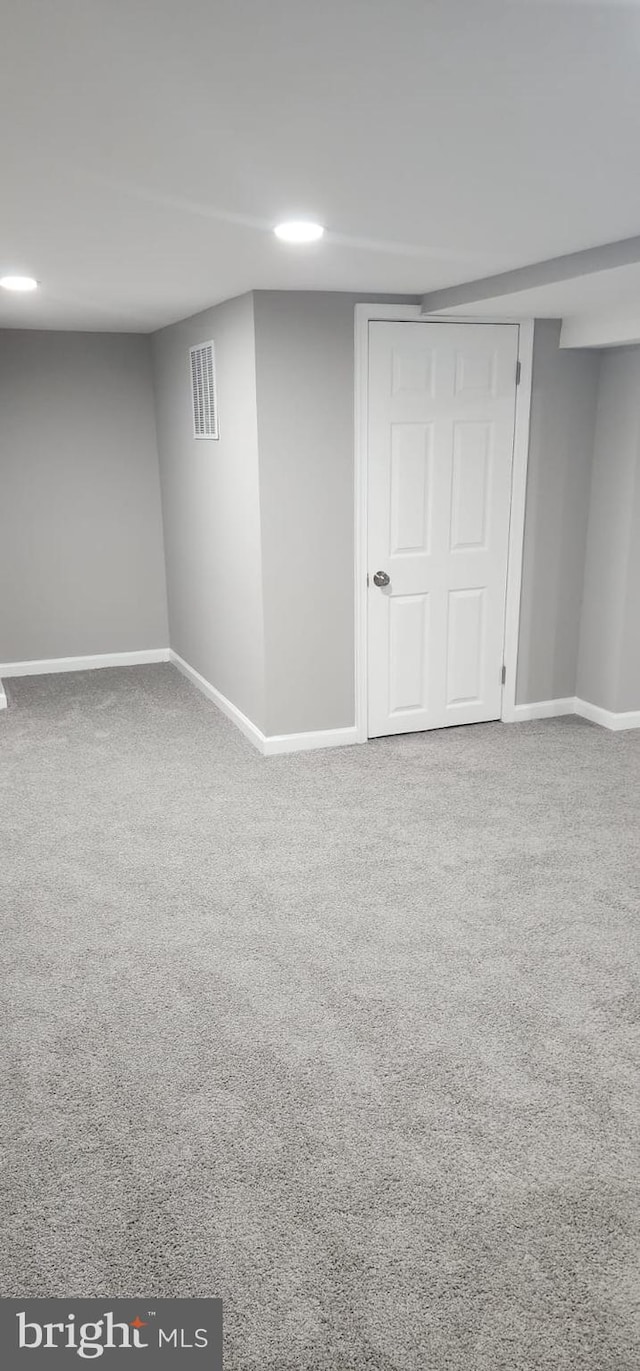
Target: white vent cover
[{"x": 203, "y": 391}]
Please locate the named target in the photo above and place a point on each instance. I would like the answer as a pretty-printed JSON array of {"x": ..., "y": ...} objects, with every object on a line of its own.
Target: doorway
[{"x": 441, "y": 543}]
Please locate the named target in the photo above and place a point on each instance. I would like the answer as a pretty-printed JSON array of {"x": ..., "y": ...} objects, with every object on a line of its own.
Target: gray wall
[
  {"x": 609, "y": 662},
  {"x": 211, "y": 507},
  {"x": 563, "y": 413},
  {"x": 628, "y": 696},
  {"x": 81, "y": 558},
  {"x": 305, "y": 385},
  {"x": 259, "y": 537},
  {"x": 304, "y": 364},
  {"x": 304, "y": 370}
]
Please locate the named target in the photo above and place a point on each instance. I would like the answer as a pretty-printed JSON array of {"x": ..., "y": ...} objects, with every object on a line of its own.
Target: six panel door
[{"x": 440, "y": 452}]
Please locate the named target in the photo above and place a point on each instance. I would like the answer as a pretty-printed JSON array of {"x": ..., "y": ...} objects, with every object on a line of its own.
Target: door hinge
[
  {"x": 503, "y": 675},
  {"x": 518, "y": 372},
  {"x": 367, "y": 578}
]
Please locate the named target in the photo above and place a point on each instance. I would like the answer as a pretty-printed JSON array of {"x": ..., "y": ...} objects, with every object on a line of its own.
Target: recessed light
[
  {"x": 299, "y": 231},
  {"x": 18, "y": 283}
]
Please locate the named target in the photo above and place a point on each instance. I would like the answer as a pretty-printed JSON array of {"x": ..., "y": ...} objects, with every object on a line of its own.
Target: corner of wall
[
  {"x": 210, "y": 507},
  {"x": 561, "y": 439},
  {"x": 154, "y": 398},
  {"x": 262, "y": 721},
  {"x": 606, "y": 677}
]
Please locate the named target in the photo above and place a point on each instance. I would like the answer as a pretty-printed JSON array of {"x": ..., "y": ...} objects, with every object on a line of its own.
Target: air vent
[{"x": 203, "y": 391}]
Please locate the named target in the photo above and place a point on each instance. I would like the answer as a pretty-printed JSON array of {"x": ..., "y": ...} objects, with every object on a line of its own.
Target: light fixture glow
[
  {"x": 299, "y": 231},
  {"x": 18, "y": 283}
]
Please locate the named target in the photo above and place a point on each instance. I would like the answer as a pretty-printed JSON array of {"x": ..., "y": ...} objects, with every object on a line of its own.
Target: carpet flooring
[{"x": 349, "y": 1038}]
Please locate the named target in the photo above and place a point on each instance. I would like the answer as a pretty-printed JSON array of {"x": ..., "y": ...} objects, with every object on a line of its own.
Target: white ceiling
[{"x": 148, "y": 146}]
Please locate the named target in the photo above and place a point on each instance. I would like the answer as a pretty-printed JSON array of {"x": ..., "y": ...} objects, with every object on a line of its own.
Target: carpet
[{"x": 349, "y": 1038}]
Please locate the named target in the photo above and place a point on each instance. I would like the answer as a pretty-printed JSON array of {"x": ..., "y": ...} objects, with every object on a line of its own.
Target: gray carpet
[{"x": 348, "y": 1038}]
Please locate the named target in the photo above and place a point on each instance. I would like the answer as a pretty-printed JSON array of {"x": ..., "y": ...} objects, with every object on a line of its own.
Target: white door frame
[{"x": 364, "y": 314}]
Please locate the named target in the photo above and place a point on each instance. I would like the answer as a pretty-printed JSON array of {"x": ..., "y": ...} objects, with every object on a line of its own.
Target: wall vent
[{"x": 203, "y": 391}]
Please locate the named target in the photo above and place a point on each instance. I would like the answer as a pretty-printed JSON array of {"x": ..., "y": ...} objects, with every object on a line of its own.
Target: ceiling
[{"x": 150, "y": 145}]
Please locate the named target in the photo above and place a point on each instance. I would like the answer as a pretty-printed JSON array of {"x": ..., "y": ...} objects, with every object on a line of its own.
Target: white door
[{"x": 440, "y": 451}]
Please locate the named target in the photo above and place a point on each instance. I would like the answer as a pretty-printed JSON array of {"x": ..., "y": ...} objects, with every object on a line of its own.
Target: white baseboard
[
  {"x": 542, "y": 709},
  {"x": 305, "y": 742},
  {"x": 294, "y": 742},
  {"x": 606, "y": 718},
  {"x": 250, "y": 730},
  {"x": 548, "y": 709},
  {"x": 102, "y": 659},
  {"x": 278, "y": 742}
]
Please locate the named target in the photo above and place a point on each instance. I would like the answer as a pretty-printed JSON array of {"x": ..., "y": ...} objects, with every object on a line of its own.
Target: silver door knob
[{"x": 380, "y": 578}]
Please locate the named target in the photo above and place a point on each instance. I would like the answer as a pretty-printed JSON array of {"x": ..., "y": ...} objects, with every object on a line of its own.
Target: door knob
[{"x": 380, "y": 578}]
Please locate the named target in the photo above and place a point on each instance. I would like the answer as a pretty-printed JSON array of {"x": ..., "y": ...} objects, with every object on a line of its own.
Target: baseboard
[
  {"x": 606, "y": 718},
  {"x": 293, "y": 742},
  {"x": 305, "y": 742},
  {"x": 543, "y": 709},
  {"x": 232, "y": 712},
  {"x": 102, "y": 659},
  {"x": 278, "y": 742},
  {"x": 548, "y": 709}
]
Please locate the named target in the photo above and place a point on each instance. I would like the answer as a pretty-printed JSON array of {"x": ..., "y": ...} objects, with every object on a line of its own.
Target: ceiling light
[
  {"x": 299, "y": 231},
  {"x": 18, "y": 283}
]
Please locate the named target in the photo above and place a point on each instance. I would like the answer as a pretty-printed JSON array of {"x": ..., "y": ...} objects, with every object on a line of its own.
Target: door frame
[{"x": 364, "y": 315}]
